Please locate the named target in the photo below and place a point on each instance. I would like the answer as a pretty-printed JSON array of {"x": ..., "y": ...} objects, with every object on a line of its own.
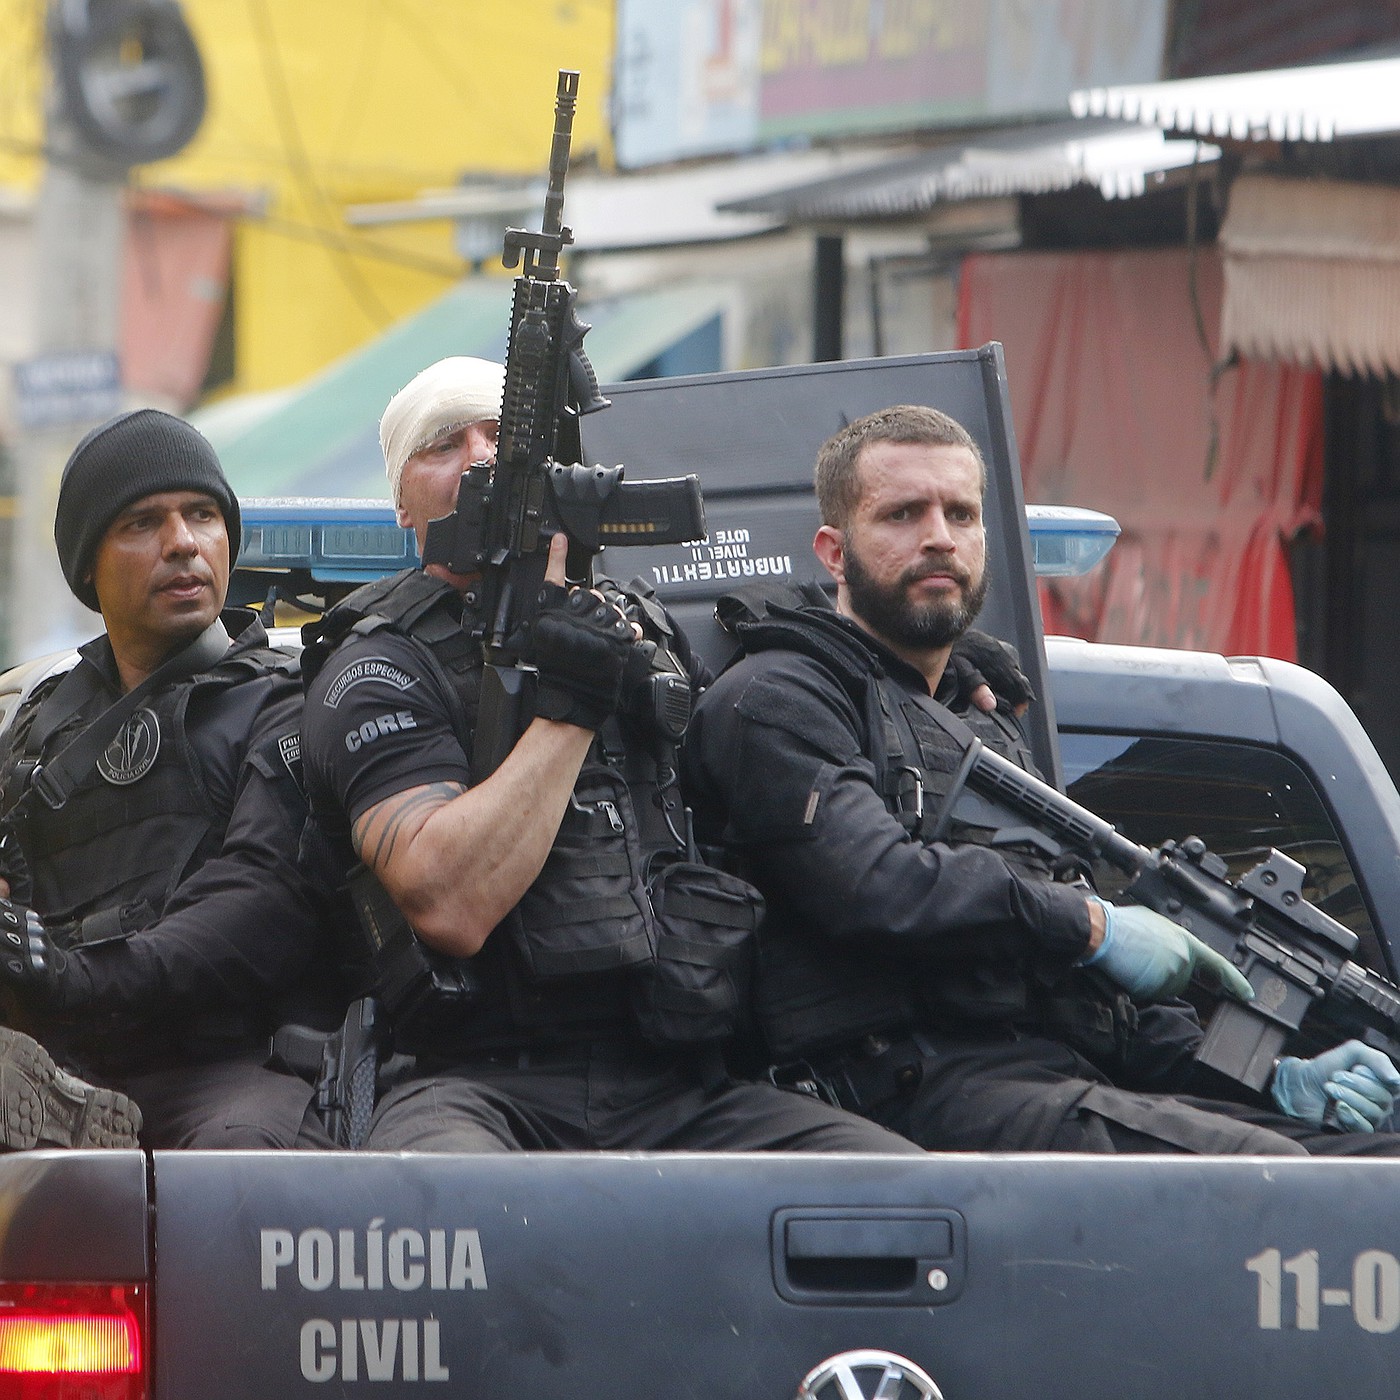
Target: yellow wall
[
  {"x": 21, "y": 92},
  {"x": 319, "y": 104}
]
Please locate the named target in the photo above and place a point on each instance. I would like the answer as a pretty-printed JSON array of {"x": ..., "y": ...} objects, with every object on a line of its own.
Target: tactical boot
[{"x": 42, "y": 1105}]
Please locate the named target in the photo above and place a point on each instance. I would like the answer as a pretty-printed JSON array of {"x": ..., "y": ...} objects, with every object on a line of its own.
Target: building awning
[
  {"x": 617, "y": 213},
  {"x": 1319, "y": 102},
  {"x": 1312, "y": 273},
  {"x": 1109, "y": 156},
  {"x": 322, "y": 439}
]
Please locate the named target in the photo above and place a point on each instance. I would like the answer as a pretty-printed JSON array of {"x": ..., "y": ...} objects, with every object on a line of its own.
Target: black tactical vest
[
  {"x": 811, "y": 995},
  {"x": 109, "y": 859},
  {"x": 105, "y": 864},
  {"x": 579, "y": 956}
]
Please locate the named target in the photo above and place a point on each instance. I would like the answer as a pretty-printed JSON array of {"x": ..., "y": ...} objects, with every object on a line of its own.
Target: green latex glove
[
  {"x": 1358, "y": 1083},
  {"x": 1153, "y": 959}
]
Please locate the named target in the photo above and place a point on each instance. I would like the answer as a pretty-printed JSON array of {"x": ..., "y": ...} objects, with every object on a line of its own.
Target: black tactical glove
[
  {"x": 29, "y": 959},
  {"x": 580, "y": 645},
  {"x": 981, "y": 659}
]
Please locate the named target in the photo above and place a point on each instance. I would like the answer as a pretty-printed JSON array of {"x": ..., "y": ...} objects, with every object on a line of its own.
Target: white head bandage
[{"x": 444, "y": 397}]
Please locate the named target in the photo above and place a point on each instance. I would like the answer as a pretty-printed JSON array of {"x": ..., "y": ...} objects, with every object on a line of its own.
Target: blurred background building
[{"x": 1177, "y": 215}]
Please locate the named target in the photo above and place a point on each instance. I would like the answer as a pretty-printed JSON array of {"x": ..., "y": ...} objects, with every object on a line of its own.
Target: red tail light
[{"x": 73, "y": 1341}]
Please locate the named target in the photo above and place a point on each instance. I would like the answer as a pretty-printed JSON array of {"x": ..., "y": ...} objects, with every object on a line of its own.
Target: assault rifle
[
  {"x": 1296, "y": 957},
  {"x": 506, "y": 515}
]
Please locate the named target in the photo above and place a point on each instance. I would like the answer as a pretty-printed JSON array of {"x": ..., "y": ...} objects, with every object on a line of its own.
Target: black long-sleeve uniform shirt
[
  {"x": 237, "y": 933},
  {"x": 778, "y": 769}
]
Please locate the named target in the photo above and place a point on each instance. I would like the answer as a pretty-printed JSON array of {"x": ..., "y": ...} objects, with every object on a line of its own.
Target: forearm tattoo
[{"x": 377, "y": 833}]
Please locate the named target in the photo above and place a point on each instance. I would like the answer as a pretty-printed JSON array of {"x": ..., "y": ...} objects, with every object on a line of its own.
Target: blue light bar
[
  {"x": 1068, "y": 541},
  {"x": 343, "y": 540},
  {"x": 334, "y": 539}
]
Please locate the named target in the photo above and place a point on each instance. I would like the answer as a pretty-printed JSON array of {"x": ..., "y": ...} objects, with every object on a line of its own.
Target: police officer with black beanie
[{"x": 157, "y": 923}]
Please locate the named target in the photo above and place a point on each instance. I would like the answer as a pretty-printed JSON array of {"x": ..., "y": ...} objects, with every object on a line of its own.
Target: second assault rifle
[
  {"x": 1296, "y": 958},
  {"x": 507, "y": 514}
]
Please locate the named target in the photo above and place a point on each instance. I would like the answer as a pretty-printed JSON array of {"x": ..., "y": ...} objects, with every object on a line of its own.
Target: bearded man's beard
[{"x": 889, "y": 611}]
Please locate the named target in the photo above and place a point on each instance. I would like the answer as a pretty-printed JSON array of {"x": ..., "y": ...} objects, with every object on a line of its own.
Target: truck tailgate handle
[
  {"x": 869, "y": 1239},
  {"x": 885, "y": 1255}
]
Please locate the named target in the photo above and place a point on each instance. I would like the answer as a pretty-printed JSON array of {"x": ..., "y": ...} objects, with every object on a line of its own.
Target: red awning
[{"x": 1113, "y": 406}]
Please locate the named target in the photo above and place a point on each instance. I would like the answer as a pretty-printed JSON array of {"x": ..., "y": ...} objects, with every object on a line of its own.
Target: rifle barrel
[
  {"x": 565, "y": 100},
  {"x": 1001, "y": 780}
]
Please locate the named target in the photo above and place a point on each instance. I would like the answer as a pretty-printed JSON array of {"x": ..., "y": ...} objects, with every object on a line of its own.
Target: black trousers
[
  {"x": 231, "y": 1104},
  {"x": 610, "y": 1097},
  {"x": 1033, "y": 1095}
]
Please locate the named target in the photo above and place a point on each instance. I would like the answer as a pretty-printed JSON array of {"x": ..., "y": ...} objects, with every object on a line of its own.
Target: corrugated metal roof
[
  {"x": 1112, "y": 157},
  {"x": 693, "y": 205},
  {"x": 1314, "y": 103}
]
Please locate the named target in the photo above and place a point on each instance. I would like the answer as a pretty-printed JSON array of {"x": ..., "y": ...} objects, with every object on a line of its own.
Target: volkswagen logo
[{"x": 868, "y": 1375}]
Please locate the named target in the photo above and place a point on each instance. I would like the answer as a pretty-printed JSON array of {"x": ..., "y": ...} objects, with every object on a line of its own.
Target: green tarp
[{"x": 322, "y": 439}]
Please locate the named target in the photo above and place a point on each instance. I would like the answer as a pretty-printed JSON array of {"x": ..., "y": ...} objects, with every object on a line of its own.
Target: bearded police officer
[
  {"x": 546, "y": 1010},
  {"x": 937, "y": 985},
  {"x": 158, "y": 920}
]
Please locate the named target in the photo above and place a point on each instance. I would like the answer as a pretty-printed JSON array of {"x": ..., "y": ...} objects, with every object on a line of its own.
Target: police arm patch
[{"x": 367, "y": 669}]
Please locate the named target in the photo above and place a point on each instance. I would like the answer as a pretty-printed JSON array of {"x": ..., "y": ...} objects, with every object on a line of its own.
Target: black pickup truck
[{"x": 205, "y": 1276}]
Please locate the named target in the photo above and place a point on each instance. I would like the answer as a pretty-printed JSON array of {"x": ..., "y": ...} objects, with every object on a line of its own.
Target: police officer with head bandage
[
  {"x": 158, "y": 924},
  {"x": 551, "y": 889}
]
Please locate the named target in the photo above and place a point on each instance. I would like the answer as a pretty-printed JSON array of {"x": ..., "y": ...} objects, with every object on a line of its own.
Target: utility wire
[
  {"x": 302, "y": 171},
  {"x": 367, "y": 60},
  {"x": 358, "y": 245},
  {"x": 429, "y": 43}
]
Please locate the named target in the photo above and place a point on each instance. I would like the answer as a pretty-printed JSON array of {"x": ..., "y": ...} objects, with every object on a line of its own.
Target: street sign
[{"x": 67, "y": 387}]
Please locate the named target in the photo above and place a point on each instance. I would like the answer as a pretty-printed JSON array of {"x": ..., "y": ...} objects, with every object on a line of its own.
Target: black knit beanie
[{"x": 132, "y": 455}]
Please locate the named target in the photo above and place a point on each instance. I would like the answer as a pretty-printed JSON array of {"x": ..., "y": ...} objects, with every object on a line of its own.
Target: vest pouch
[
  {"x": 587, "y": 910},
  {"x": 698, "y": 987},
  {"x": 1088, "y": 1014}
]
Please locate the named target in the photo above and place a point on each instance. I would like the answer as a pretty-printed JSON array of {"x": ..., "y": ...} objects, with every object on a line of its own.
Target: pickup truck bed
[
  {"x": 734, "y": 1277},
  {"x": 1015, "y": 1276}
]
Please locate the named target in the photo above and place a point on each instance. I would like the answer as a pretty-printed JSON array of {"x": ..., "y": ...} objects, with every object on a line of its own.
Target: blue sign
[{"x": 68, "y": 387}]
